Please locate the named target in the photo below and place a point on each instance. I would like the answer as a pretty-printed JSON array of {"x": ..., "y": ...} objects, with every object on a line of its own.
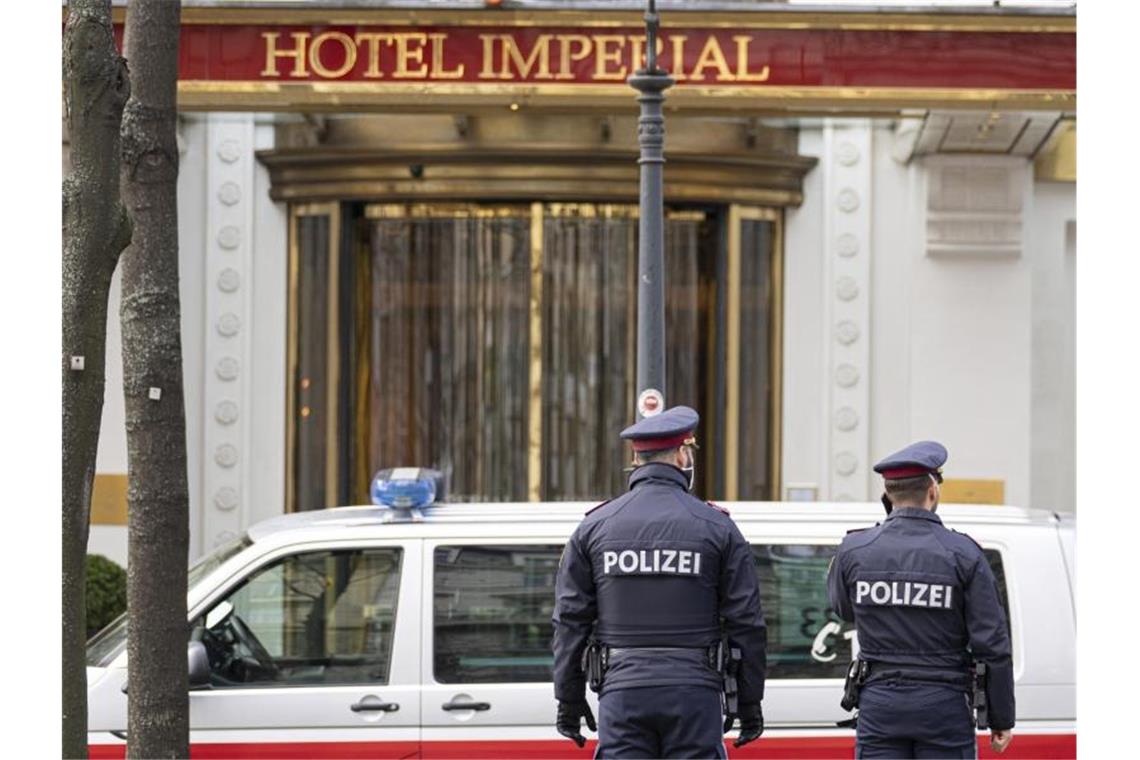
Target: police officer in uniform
[
  {"x": 645, "y": 582},
  {"x": 926, "y": 609}
]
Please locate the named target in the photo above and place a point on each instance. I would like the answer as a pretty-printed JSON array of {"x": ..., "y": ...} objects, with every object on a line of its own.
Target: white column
[
  {"x": 226, "y": 376},
  {"x": 268, "y": 322},
  {"x": 846, "y": 281}
]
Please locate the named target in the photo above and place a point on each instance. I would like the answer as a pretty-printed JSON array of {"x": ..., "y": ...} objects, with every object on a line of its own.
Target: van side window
[
  {"x": 805, "y": 638},
  {"x": 492, "y": 613},
  {"x": 993, "y": 557},
  {"x": 309, "y": 619}
]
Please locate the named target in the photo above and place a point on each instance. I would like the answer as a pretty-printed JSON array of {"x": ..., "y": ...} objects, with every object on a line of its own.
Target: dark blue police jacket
[
  {"x": 657, "y": 568},
  {"x": 924, "y": 602}
]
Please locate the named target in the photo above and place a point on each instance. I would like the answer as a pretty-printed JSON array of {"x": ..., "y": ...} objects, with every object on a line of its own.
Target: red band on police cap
[
  {"x": 657, "y": 444},
  {"x": 905, "y": 472}
]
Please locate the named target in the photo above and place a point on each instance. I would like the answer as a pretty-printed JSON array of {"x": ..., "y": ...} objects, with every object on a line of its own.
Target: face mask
[
  {"x": 691, "y": 470},
  {"x": 937, "y": 494}
]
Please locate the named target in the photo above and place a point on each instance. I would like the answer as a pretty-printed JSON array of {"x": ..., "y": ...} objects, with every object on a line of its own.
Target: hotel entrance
[
  {"x": 462, "y": 296},
  {"x": 496, "y": 343}
]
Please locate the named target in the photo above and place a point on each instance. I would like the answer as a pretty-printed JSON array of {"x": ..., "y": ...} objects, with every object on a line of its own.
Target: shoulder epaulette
[
  {"x": 595, "y": 509},
  {"x": 967, "y": 535},
  {"x": 860, "y": 530},
  {"x": 717, "y": 507}
]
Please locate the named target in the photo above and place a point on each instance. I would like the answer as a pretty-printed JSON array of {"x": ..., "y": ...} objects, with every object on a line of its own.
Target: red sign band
[{"x": 752, "y": 58}]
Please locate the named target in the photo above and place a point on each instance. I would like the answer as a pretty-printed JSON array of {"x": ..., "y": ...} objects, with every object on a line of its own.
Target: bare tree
[
  {"x": 96, "y": 228},
  {"x": 158, "y": 524}
]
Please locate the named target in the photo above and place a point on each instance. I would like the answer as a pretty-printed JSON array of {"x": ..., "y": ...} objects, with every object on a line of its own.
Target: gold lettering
[
  {"x": 637, "y": 51},
  {"x": 487, "y": 71},
  {"x": 607, "y": 56},
  {"x": 372, "y": 42},
  {"x": 300, "y": 40},
  {"x": 742, "y": 75},
  {"x": 678, "y": 69},
  {"x": 319, "y": 67},
  {"x": 712, "y": 56},
  {"x": 539, "y": 54},
  {"x": 438, "y": 68},
  {"x": 566, "y": 56},
  {"x": 410, "y": 49}
]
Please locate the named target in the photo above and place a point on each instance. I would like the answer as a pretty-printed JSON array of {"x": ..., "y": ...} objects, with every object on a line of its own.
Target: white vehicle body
[{"x": 1035, "y": 550}]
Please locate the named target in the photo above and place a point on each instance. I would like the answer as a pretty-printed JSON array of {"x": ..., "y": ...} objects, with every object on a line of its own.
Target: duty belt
[
  {"x": 882, "y": 671},
  {"x": 861, "y": 672},
  {"x": 597, "y": 657},
  {"x": 616, "y": 653}
]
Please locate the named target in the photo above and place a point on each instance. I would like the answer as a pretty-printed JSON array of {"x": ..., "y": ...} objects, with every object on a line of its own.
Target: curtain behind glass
[
  {"x": 310, "y": 412},
  {"x": 755, "y": 479},
  {"x": 449, "y": 358},
  {"x": 687, "y": 307},
  {"x": 589, "y": 339},
  {"x": 589, "y": 322}
]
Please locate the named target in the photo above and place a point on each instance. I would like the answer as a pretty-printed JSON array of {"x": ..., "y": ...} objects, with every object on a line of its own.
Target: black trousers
[
  {"x": 899, "y": 719},
  {"x": 661, "y": 721}
]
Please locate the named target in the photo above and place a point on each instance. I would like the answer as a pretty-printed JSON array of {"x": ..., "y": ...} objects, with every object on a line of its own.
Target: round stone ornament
[
  {"x": 847, "y": 245},
  {"x": 227, "y": 368},
  {"x": 229, "y": 324},
  {"x": 846, "y": 376},
  {"x": 229, "y": 193},
  {"x": 846, "y": 289},
  {"x": 229, "y": 280},
  {"x": 848, "y": 200},
  {"x": 226, "y": 412},
  {"x": 226, "y": 499},
  {"x": 226, "y": 455},
  {"x": 845, "y": 463},
  {"x": 847, "y": 332}
]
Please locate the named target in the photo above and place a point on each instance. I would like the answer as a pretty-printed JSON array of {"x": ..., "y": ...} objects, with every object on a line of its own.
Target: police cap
[
  {"x": 671, "y": 428},
  {"x": 922, "y": 458}
]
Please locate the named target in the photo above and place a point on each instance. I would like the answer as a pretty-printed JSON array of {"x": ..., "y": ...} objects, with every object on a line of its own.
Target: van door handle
[
  {"x": 370, "y": 706},
  {"x": 476, "y": 706}
]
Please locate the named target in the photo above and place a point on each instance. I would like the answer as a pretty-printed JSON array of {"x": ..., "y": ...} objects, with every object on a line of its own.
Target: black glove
[
  {"x": 751, "y": 724},
  {"x": 569, "y": 721}
]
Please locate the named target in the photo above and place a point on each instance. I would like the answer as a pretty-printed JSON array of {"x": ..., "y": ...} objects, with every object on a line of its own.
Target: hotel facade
[{"x": 408, "y": 236}]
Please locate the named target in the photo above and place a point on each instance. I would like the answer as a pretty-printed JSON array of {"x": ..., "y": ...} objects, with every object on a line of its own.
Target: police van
[{"x": 425, "y": 632}]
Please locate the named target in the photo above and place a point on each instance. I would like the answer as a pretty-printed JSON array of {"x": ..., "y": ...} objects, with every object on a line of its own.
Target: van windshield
[{"x": 105, "y": 646}]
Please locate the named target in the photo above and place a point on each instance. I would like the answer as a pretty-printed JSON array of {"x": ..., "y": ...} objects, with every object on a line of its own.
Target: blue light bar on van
[{"x": 406, "y": 487}]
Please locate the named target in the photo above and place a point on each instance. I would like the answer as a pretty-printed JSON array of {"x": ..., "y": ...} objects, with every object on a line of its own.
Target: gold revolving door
[{"x": 494, "y": 340}]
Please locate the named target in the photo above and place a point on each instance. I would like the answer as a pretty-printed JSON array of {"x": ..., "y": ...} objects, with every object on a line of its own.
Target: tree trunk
[
  {"x": 95, "y": 231},
  {"x": 158, "y": 526}
]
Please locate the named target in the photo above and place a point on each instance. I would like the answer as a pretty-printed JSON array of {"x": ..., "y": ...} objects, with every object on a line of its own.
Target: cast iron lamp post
[{"x": 651, "y": 83}]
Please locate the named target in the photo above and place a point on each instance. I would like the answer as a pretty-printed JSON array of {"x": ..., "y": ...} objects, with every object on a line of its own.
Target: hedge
[{"x": 106, "y": 592}]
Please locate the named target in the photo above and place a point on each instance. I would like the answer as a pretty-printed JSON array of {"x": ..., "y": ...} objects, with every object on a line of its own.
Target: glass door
[
  {"x": 314, "y": 363},
  {"x": 497, "y": 343},
  {"x": 447, "y": 347},
  {"x": 754, "y": 351},
  {"x": 589, "y": 338}
]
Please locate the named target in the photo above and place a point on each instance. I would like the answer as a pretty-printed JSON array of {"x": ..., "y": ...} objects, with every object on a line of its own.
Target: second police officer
[
  {"x": 926, "y": 611},
  {"x": 648, "y": 584}
]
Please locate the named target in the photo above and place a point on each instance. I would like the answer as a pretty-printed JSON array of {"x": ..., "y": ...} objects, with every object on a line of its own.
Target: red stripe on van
[
  {"x": 1043, "y": 746},
  {"x": 278, "y": 750}
]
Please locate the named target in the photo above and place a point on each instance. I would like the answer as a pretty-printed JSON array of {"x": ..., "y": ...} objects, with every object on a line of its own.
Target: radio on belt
[{"x": 407, "y": 488}]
